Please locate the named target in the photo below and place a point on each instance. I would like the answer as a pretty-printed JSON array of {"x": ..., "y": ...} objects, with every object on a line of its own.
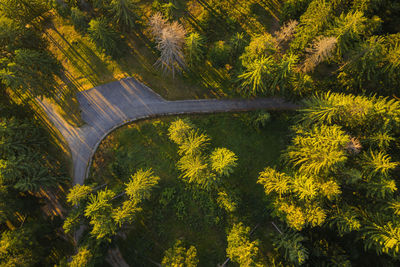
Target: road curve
[{"x": 107, "y": 107}]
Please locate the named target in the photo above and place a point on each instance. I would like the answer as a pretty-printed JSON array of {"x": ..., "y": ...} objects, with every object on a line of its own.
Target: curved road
[{"x": 106, "y": 107}]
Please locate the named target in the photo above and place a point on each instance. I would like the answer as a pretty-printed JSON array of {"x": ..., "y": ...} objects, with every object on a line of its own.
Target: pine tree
[
  {"x": 104, "y": 37},
  {"x": 223, "y": 161},
  {"x": 32, "y": 71},
  {"x": 348, "y": 30},
  {"x": 194, "y": 46},
  {"x": 79, "y": 19},
  {"x": 240, "y": 248},
  {"x": 253, "y": 79},
  {"x": 322, "y": 48},
  {"x": 126, "y": 213},
  {"x": 194, "y": 143},
  {"x": 179, "y": 130},
  {"x": 123, "y": 13},
  {"x": 180, "y": 255},
  {"x": 140, "y": 185},
  {"x": 78, "y": 193},
  {"x": 318, "y": 150},
  {"x": 98, "y": 211},
  {"x": 82, "y": 258},
  {"x": 274, "y": 181},
  {"x": 291, "y": 243}
]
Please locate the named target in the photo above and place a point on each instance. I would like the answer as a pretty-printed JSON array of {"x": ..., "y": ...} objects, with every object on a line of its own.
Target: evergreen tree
[
  {"x": 105, "y": 38},
  {"x": 194, "y": 46},
  {"x": 123, "y": 13},
  {"x": 223, "y": 161},
  {"x": 82, "y": 258},
  {"x": 78, "y": 193},
  {"x": 180, "y": 255},
  {"x": 79, "y": 19},
  {"x": 32, "y": 71},
  {"x": 240, "y": 249},
  {"x": 140, "y": 185},
  {"x": 291, "y": 243}
]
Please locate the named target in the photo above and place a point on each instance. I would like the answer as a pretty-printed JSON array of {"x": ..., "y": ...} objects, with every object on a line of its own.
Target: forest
[{"x": 311, "y": 183}]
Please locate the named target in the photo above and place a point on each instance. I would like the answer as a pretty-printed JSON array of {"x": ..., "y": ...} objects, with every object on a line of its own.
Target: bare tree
[
  {"x": 170, "y": 38},
  {"x": 322, "y": 48},
  {"x": 157, "y": 23},
  {"x": 286, "y": 32}
]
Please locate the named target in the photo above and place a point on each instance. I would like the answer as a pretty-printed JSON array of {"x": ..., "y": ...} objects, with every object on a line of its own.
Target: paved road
[{"x": 109, "y": 106}]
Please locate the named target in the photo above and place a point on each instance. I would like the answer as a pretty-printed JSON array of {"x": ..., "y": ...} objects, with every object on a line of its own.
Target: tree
[
  {"x": 261, "y": 46},
  {"x": 23, "y": 11},
  {"x": 126, "y": 213},
  {"x": 18, "y": 248},
  {"x": 99, "y": 210},
  {"x": 32, "y": 71},
  {"x": 373, "y": 67},
  {"x": 256, "y": 74},
  {"x": 291, "y": 243},
  {"x": 240, "y": 249},
  {"x": 123, "y": 13},
  {"x": 286, "y": 32},
  {"x": 223, "y": 161},
  {"x": 274, "y": 181},
  {"x": 378, "y": 163},
  {"x": 157, "y": 23},
  {"x": 82, "y": 258},
  {"x": 140, "y": 185},
  {"x": 195, "y": 169},
  {"x": 79, "y": 19},
  {"x": 319, "y": 149},
  {"x": 194, "y": 143},
  {"x": 322, "y": 49},
  {"x": 105, "y": 38},
  {"x": 170, "y": 38},
  {"x": 238, "y": 43},
  {"x": 178, "y": 131},
  {"x": 194, "y": 46},
  {"x": 385, "y": 238},
  {"x": 348, "y": 30},
  {"x": 311, "y": 24},
  {"x": 180, "y": 255},
  {"x": 78, "y": 193}
]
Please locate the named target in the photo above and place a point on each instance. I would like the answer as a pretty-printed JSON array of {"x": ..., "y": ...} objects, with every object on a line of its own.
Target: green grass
[{"x": 188, "y": 214}]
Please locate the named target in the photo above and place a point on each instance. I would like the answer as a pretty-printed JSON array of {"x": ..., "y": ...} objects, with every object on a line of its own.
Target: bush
[{"x": 261, "y": 119}]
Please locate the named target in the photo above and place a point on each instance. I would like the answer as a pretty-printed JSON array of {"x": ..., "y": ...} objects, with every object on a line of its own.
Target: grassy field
[{"x": 176, "y": 211}]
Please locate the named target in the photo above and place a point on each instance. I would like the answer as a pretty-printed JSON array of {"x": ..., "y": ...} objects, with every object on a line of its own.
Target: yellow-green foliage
[
  {"x": 82, "y": 258},
  {"x": 378, "y": 163},
  {"x": 226, "y": 202},
  {"x": 240, "y": 248},
  {"x": 140, "y": 185},
  {"x": 193, "y": 143},
  {"x": 223, "y": 161},
  {"x": 319, "y": 149},
  {"x": 78, "y": 193},
  {"x": 294, "y": 215},
  {"x": 125, "y": 213},
  {"x": 194, "y": 168},
  {"x": 274, "y": 181},
  {"x": 179, "y": 255},
  {"x": 178, "y": 131}
]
